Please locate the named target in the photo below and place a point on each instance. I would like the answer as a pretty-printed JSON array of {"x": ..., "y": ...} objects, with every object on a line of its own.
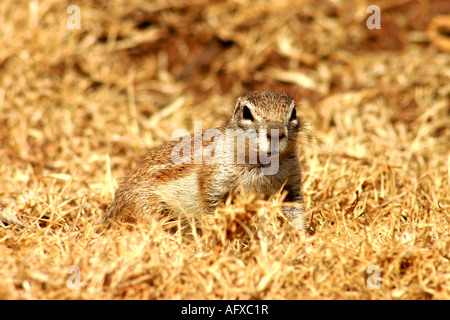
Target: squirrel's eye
[
  {"x": 293, "y": 115},
  {"x": 247, "y": 114}
]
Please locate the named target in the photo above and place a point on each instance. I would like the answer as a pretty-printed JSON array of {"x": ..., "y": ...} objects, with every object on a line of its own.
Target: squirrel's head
[{"x": 270, "y": 113}]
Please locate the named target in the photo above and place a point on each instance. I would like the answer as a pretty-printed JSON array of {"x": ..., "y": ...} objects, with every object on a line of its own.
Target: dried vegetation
[{"x": 79, "y": 107}]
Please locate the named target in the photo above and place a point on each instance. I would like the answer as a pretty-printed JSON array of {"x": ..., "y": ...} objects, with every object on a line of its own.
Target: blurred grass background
[{"x": 79, "y": 107}]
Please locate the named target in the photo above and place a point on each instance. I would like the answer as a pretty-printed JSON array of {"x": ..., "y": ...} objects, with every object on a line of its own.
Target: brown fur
[{"x": 159, "y": 186}]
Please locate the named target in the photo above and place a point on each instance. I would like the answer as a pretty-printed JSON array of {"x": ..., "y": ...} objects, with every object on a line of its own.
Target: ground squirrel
[{"x": 198, "y": 172}]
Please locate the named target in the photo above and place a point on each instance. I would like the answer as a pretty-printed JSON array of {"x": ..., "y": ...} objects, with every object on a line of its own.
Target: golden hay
[{"x": 80, "y": 106}]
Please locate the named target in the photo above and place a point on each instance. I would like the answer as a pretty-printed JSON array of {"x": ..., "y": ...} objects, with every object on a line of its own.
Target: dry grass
[{"x": 79, "y": 107}]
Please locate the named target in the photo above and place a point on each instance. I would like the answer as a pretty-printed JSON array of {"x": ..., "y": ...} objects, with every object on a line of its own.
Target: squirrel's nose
[{"x": 279, "y": 133}]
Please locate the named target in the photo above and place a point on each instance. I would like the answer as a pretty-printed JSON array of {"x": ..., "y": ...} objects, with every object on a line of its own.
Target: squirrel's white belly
[{"x": 182, "y": 194}]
